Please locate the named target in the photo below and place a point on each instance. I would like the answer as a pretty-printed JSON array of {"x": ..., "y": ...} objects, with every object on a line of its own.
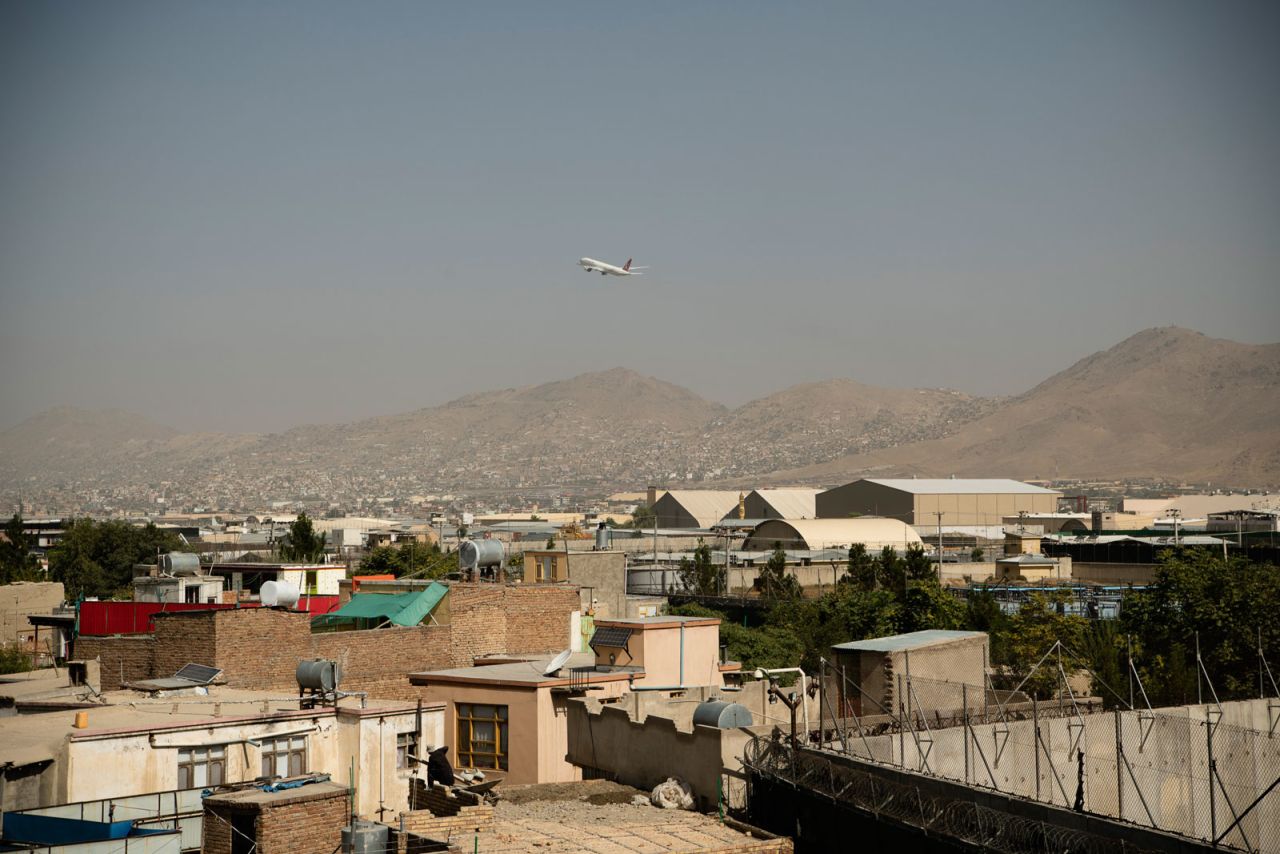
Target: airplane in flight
[{"x": 591, "y": 265}]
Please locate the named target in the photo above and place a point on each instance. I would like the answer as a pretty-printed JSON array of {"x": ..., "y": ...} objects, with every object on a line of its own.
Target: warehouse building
[
  {"x": 814, "y": 534},
  {"x": 694, "y": 508},
  {"x": 968, "y": 502},
  {"x": 778, "y": 504}
]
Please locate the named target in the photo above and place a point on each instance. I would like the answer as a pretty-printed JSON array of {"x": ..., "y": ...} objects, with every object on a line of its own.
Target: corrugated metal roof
[
  {"x": 948, "y": 486},
  {"x": 707, "y": 506},
  {"x": 909, "y": 641},
  {"x": 874, "y": 532},
  {"x": 790, "y": 503}
]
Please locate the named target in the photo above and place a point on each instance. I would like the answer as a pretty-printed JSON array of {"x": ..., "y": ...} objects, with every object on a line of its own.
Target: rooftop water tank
[
  {"x": 180, "y": 563},
  {"x": 722, "y": 715},
  {"x": 603, "y": 536},
  {"x": 473, "y": 554},
  {"x": 279, "y": 594},
  {"x": 365, "y": 837},
  {"x": 318, "y": 674}
]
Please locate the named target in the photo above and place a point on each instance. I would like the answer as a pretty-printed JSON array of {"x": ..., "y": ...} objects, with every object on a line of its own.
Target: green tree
[
  {"x": 861, "y": 568},
  {"x": 1230, "y": 604},
  {"x": 13, "y": 659},
  {"x": 766, "y": 646},
  {"x": 642, "y": 517},
  {"x": 977, "y": 555},
  {"x": 700, "y": 575},
  {"x": 97, "y": 558},
  {"x": 774, "y": 581},
  {"x": 917, "y": 566},
  {"x": 891, "y": 572},
  {"x": 382, "y": 560},
  {"x": 302, "y": 543},
  {"x": 1040, "y": 622},
  {"x": 551, "y": 542},
  {"x": 17, "y": 563}
]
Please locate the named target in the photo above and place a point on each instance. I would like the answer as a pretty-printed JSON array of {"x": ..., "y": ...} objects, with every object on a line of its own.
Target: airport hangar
[{"x": 917, "y": 501}]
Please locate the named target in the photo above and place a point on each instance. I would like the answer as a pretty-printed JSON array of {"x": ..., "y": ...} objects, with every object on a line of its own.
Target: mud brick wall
[
  {"x": 538, "y": 617},
  {"x": 259, "y": 648},
  {"x": 379, "y": 661},
  {"x": 132, "y": 656},
  {"x": 305, "y": 822}
]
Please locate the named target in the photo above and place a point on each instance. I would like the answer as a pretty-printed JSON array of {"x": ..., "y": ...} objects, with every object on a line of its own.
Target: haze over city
[{"x": 243, "y": 217}]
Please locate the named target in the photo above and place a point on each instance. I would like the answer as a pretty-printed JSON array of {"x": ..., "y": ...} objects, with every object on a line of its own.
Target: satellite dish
[{"x": 557, "y": 662}]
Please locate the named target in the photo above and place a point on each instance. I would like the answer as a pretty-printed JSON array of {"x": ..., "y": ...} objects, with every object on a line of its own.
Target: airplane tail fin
[{"x": 627, "y": 266}]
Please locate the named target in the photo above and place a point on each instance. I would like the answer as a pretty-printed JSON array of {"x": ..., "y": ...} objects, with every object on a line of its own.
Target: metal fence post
[
  {"x": 1208, "y": 736},
  {"x": 1119, "y": 769},
  {"x": 1035, "y": 725}
]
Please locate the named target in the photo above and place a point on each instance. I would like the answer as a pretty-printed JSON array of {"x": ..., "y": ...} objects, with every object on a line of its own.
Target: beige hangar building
[{"x": 917, "y": 501}]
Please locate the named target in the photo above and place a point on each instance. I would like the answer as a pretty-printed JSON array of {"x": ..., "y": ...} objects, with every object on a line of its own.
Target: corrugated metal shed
[
  {"x": 874, "y": 533},
  {"x": 909, "y": 641}
]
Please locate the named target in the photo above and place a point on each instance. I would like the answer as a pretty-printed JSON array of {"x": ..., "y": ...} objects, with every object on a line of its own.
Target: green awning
[{"x": 401, "y": 609}]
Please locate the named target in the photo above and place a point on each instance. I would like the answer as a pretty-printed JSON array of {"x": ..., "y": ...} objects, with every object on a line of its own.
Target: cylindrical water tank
[
  {"x": 318, "y": 674},
  {"x": 279, "y": 594},
  {"x": 180, "y": 563},
  {"x": 365, "y": 837},
  {"x": 722, "y": 715},
  {"x": 603, "y": 537},
  {"x": 473, "y": 554}
]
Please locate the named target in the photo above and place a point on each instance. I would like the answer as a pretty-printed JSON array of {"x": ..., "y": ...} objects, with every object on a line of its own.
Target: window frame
[
  {"x": 468, "y": 715},
  {"x": 407, "y": 743},
  {"x": 291, "y": 747},
  {"x": 212, "y": 758}
]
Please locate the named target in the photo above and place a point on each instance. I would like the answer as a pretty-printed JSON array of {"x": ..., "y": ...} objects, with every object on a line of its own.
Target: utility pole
[
  {"x": 1176, "y": 514},
  {"x": 938, "y": 513}
]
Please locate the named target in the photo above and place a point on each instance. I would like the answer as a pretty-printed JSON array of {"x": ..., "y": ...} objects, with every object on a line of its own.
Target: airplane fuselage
[{"x": 591, "y": 265}]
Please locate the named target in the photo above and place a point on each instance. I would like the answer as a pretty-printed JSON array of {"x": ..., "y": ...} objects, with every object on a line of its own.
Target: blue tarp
[{"x": 51, "y": 830}]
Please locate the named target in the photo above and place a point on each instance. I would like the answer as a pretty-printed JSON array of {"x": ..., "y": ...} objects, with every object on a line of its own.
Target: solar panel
[
  {"x": 614, "y": 636},
  {"x": 197, "y": 674}
]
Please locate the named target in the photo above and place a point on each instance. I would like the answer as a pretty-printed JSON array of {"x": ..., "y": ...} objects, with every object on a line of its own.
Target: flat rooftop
[
  {"x": 599, "y": 816},
  {"x": 909, "y": 641},
  {"x": 523, "y": 673},
  {"x": 35, "y": 737}
]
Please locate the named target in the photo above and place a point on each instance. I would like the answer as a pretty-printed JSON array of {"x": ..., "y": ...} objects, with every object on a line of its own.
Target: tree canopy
[
  {"x": 17, "y": 563},
  {"x": 302, "y": 543},
  {"x": 409, "y": 558},
  {"x": 97, "y": 558}
]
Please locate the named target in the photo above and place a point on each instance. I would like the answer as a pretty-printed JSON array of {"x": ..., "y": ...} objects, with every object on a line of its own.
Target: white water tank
[
  {"x": 474, "y": 554},
  {"x": 180, "y": 563},
  {"x": 279, "y": 594}
]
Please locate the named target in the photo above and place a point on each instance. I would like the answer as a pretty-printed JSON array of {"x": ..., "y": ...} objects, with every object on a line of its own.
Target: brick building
[{"x": 259, "y": 648}]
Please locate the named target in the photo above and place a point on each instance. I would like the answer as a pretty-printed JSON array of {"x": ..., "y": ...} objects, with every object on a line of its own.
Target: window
[
  {"x": 284, "y": 757},
  {"x": 201, "y": 766},
  {"x": 482, "y": 736},
  {"x": 406, "y": 749},
  {"x": 312, "y": 588}
]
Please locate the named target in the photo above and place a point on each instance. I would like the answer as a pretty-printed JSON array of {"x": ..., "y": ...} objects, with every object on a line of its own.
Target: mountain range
[{"x": 1165, "y": 403}]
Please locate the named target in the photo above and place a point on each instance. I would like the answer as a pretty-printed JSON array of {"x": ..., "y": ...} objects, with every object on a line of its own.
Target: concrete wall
[
  {"x": 606, "y": 574},
  {"x": 1168, "y": 754},
  {"x": 644, "y": 749},
  {"x": 20, "y": 600}
]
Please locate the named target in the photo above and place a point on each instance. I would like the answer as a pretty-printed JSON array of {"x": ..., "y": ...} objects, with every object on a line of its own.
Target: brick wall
[
  {"x": 125, "y": 658},
  {"x": 302, "y": 821},
  {"x": 259, "y": 648},
  {"x": 378, "y": 661},
  {"x": 440, "y": 812},
  {"x": 538, "y": 617},
  {"x": 310, "y": 827}
]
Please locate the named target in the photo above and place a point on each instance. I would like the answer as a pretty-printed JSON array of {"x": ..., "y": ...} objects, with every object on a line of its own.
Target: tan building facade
[{"x": 919, "y": 501}]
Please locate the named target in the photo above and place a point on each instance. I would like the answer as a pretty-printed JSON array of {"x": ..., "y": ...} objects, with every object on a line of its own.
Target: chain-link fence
[{"x": 1209, "y": 772}]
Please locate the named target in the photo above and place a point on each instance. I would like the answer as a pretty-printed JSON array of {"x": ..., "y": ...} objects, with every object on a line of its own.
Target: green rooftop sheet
[{"x": 402, "y": 609}]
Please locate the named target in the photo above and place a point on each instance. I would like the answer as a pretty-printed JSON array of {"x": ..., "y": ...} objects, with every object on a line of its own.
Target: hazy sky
[{"x": 243, "y": 216}]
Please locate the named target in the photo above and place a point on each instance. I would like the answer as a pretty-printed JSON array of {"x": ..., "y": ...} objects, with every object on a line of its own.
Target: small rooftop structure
[
  {"x": 909, "y": 641},
  {"x": 375, "y": 610}
]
